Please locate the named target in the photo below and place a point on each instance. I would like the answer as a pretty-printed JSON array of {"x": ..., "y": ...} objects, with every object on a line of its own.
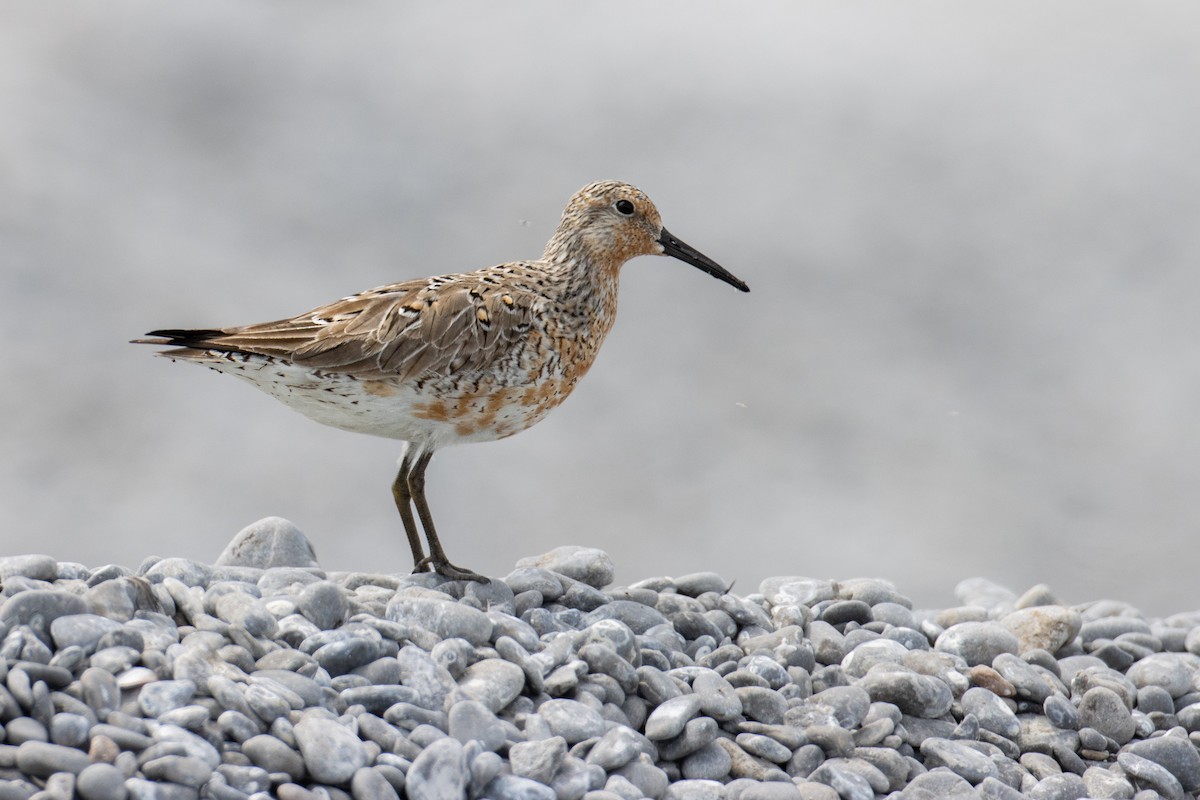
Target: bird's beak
[{"x": 690, "y": 255}]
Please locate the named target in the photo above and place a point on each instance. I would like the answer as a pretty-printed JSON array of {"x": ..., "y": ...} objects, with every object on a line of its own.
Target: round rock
[
  {"x": 331, "y": 752},
  {"x": 270, "y": 542},
  {"x": 977, "y": 642}
]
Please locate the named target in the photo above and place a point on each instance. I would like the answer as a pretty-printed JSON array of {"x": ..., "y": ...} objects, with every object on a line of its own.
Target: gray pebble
[
  {"x": 709, "y": 762},
  {"x": 1064, "y": 786},
  {"x": 669, "y": 719},
  {"x": 618, "y": 747},
  {"x": 1105, "y": 783},
  {"x": 185, "y": 770},
  {"x": 1145, "y": 771},
  {"x": 958, "y": 758},
  {"x": 473, "y": 721},
  {"x": 977, "y": 642},
  {"x": 101, "y": 782},
  {"x": 1173, "y": 672},
  {"x": 848, "y": 784},
  {"x": 439, "y": 772},
  {"x": 160, "y": 697},
  {"x": 81, "y": 630},
  {"x": 571, "y": 720},
  {"x": 43, "y": 759},
  {"x": 764, "y": 747},
  {"x": 515, "y": 787},
  {"x": 442, "y": 616},
  {"x": 992, "y": 712},
  {"x": 587, "y": 564},
  {"x": 332, "y": 753},
  {"x": 1061, "y": 712},
  {"x": 1044, "y": 627},
  {"x": 538, "y": 760},
  {"x": 696, "y": 734},
  {"x": 762, "y": 705},
  {"x": 1175, "y": 753},
  {"x": 270, "y": 542},
  {"x": 914, "y": 694},
  {"x": 1103, "y": 709}
]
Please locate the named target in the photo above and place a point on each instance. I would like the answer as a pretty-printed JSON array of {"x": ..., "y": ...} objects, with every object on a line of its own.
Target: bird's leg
[
  {"x": 437, "y": 556},
  {"x": 403, "y": 496}
]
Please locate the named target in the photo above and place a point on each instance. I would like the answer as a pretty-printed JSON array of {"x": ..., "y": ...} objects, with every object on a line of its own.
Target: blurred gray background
[{"x": 972, "y": 232}]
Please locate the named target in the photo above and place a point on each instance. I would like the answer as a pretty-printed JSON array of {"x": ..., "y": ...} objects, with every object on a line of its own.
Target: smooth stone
[
  {"x": 914, "y": 694},
  {"x": 155, "y": 699},
  {"x": 1111, "y": 628},
  {"x": 618, "y": 747},
  {"x": 81, "y": 630},
  {"x": 324, "y": 603},
  {"x": 40, "y": 608},
  {"x": 515, "y": 787},
  {"x": 538, "y": 759},
  {"x": 1175, "y": 753},
  {"x": 697, "y": 583},
  {"x": 332, "y": 753},
  {"x": 34, "y": 566},
  {"x": 710, "y": 762},
  {"x": 694, "y": 789},
  {"x": 1027, "y": 680},
  {"x": 718, "y": 699},
  {"x": 977, "y": 642},
  {"x": 184, "y": 770},
  {"x": 762, "y": 705},
  {"x": 370, "y": 783},
  {"x": 696, "y": 734},
  {"x": 1104, "y": 783},
  {"x": 992, "y": 712},
  {"x": 762, "y": 746},
  {"x": 442, "y": 616},
  {"x": 586, "y": 564},
  {"x": 1103, "y": 709},
  {"x": 571, "y": 720},
  {"x": 274, "y": 756},
  {"x": 473, "y": 721},
  {"x": 636, "y": 616},
  {"x": 1147, "y": 771},
  {"x": 958, "y": 758},
  {"x": 269, "y": 543},
  {"x": 439, "y": 772},
  {"x": 101, "y": 782},
  {"x": 1061, "y": 712},
  {"x": 1174, "y": 672},
  {"x": 1043, "y": 627},
  {"x": 25, "y": 729},
  {"x": 69, "y": 730},
  {"x": 43, "y": 759},
  {"x": 493, "y": 682},
  {"x": 669, "y": 719},
  {"x": 247, "y": 611},
  {"x": 340, "y": 658},
  {"x": 848, "y": 784}
]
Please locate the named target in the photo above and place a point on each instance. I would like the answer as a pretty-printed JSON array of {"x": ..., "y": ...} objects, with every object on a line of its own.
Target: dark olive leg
[
  {"x": 403, "y": 499},
  {"x": 437, "y": 556}
]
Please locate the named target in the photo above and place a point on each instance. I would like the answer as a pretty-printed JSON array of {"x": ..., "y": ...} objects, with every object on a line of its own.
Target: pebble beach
[{"x": 265, "y": 676}]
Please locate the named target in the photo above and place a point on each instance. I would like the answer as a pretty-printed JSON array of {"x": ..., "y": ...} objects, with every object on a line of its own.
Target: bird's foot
[{"x": 448, "y": 570}]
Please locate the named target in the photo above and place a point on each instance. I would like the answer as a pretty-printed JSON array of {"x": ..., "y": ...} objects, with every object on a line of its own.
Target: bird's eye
[{"x": 624, "y": 208}]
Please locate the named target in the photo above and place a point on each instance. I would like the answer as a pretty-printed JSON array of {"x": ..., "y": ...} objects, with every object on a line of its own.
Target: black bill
[{"x": 690, "y": 255}]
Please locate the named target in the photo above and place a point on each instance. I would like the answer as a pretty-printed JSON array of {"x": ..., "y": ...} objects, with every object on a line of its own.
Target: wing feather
[{"x": 408, "y": 330}]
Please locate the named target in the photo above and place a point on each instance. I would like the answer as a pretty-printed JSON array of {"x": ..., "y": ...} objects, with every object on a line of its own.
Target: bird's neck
[{"x": 583, "y": 277}]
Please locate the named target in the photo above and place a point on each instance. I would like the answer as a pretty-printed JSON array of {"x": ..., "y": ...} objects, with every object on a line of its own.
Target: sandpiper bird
[{"x": 469, "y": 357}]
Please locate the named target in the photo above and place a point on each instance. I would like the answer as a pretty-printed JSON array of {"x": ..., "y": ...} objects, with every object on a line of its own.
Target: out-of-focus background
[{"x": 972, "y": 233}]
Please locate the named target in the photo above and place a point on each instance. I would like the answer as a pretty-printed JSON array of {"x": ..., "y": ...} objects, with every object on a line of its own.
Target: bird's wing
[{"x": 437, "y": 326}]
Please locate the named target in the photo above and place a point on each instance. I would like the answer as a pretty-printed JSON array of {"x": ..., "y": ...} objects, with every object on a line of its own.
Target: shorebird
[{"x": 467, "y": 357}]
